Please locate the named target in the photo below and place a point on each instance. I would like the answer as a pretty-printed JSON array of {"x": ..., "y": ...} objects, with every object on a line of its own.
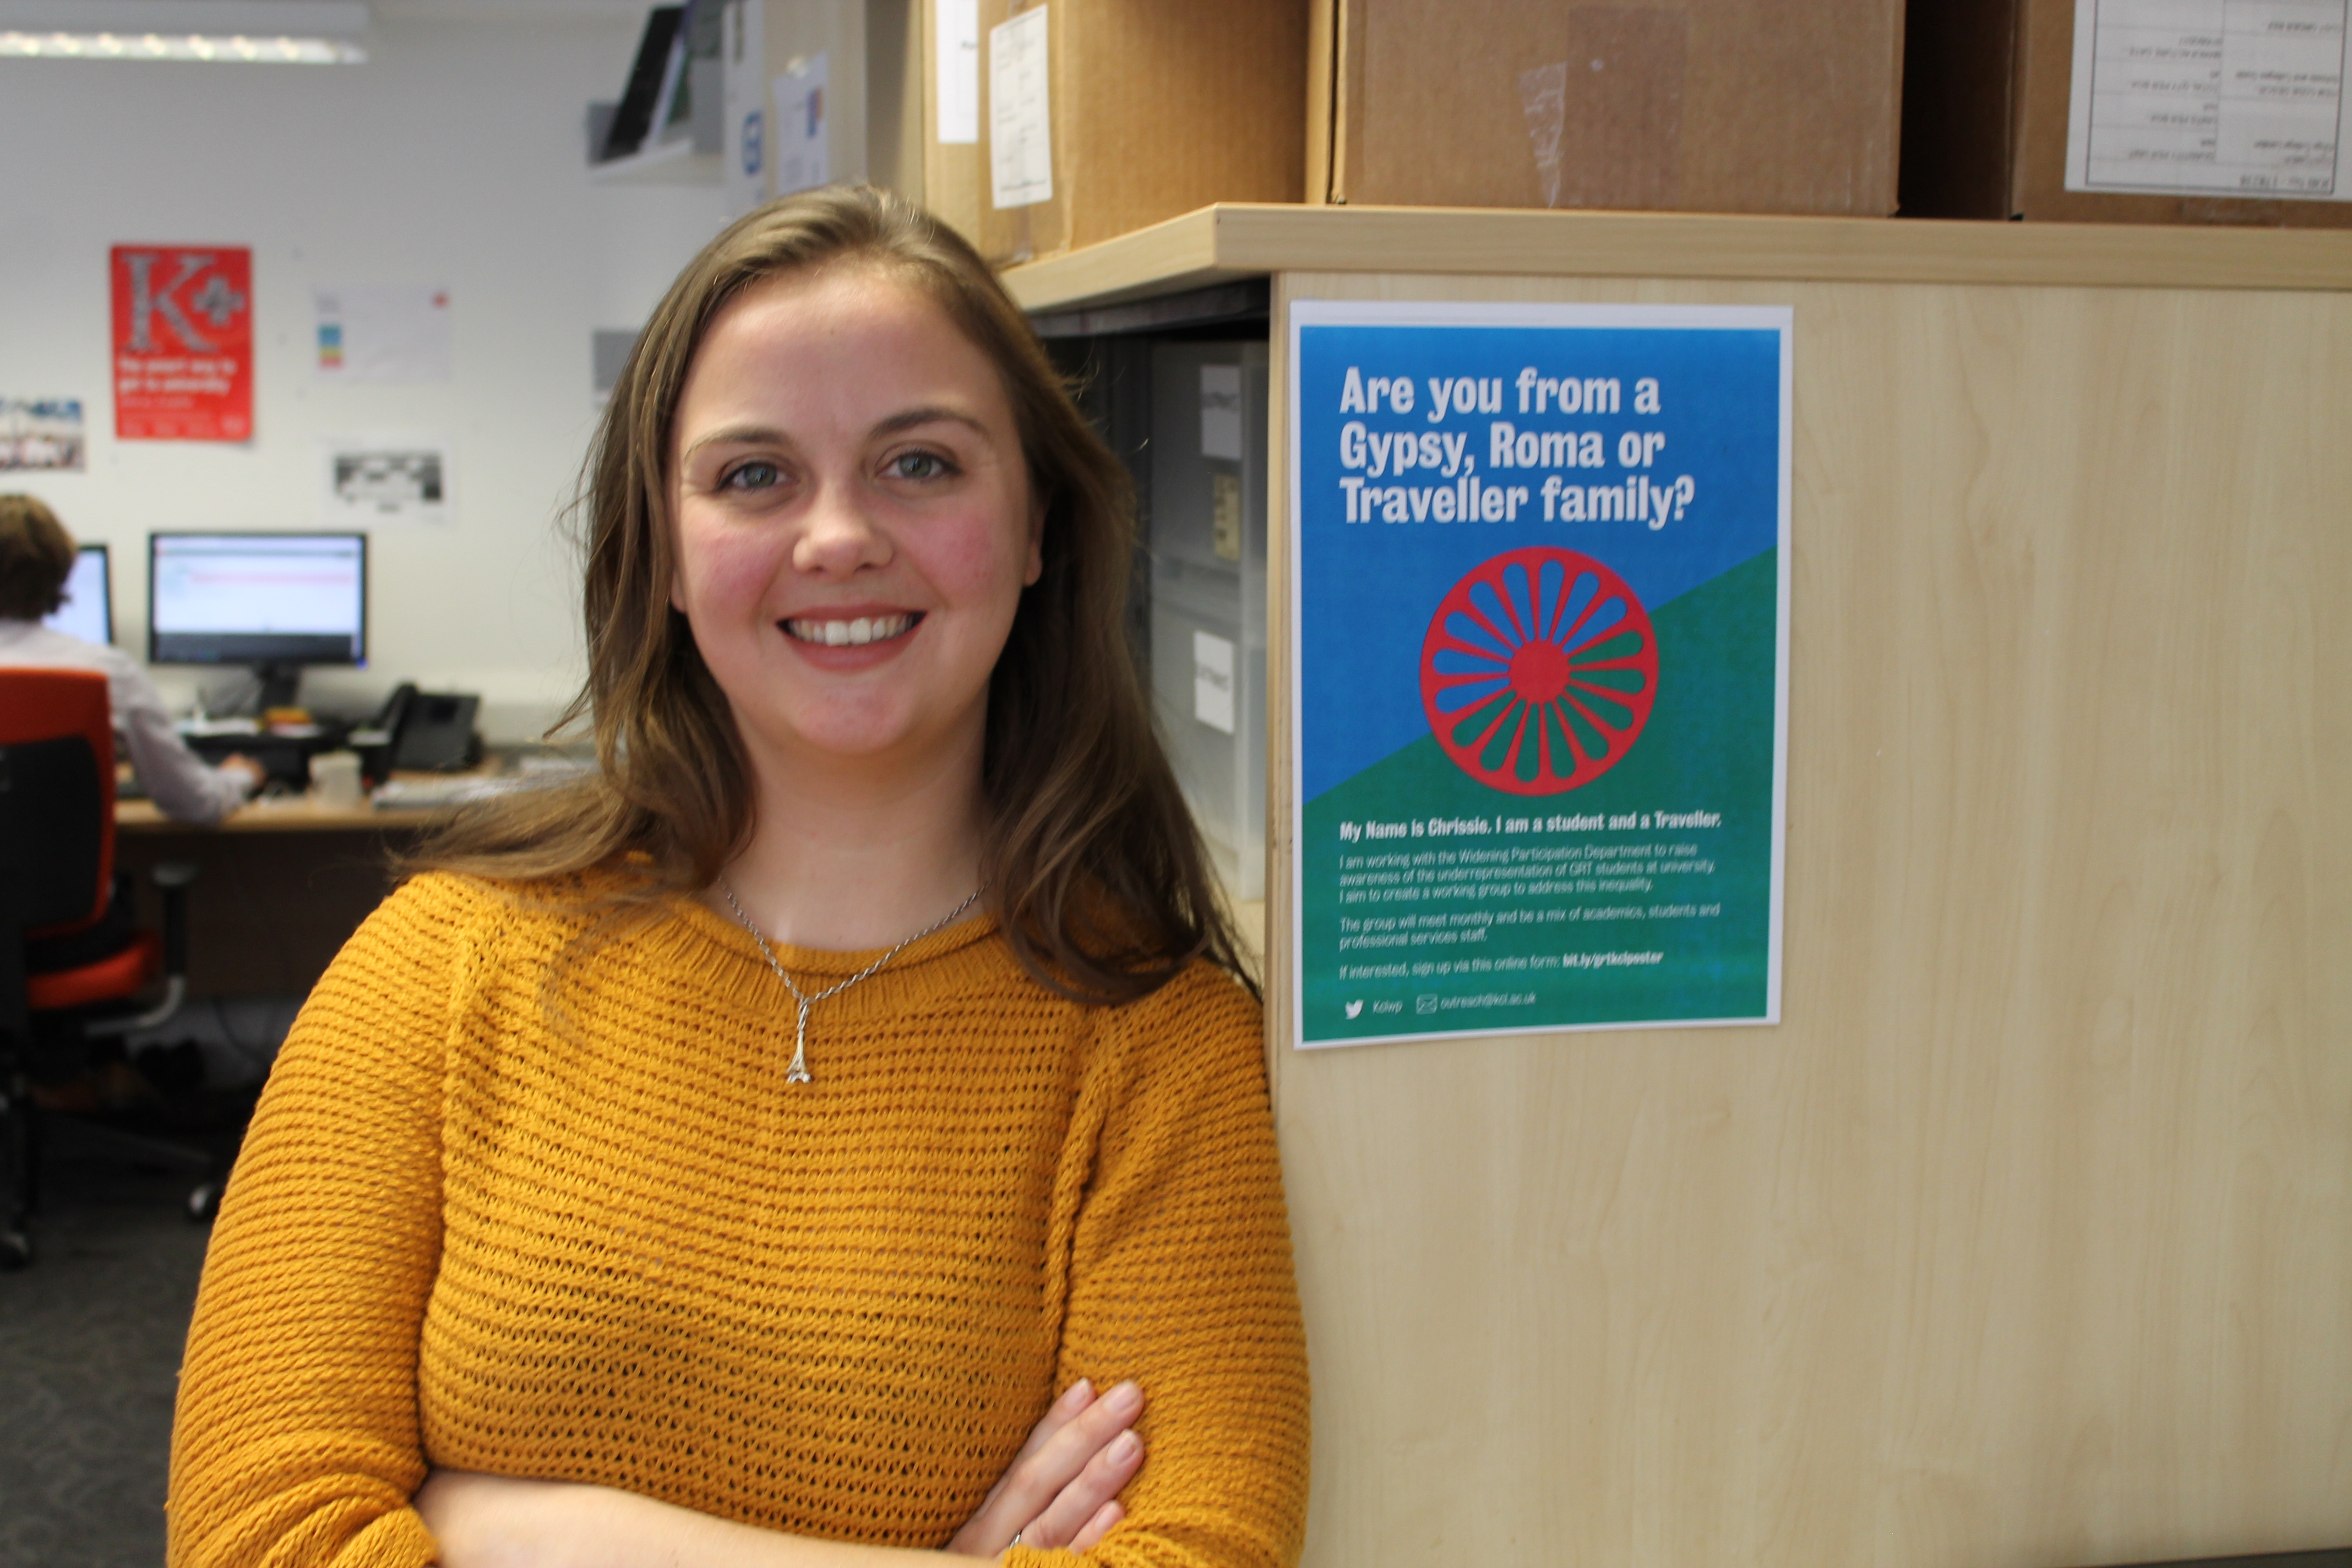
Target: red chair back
[{"x": 58, "y": 704}]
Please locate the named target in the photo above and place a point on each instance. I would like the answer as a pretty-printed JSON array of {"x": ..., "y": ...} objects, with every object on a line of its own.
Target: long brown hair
[{"x": 1093, "y": 861}]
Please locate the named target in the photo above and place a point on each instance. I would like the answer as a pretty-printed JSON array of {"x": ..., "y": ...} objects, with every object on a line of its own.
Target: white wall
[{"x": 456, "y": 157}]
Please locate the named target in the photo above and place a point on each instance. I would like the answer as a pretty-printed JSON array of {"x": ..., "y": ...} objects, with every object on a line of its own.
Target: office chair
[{"x": 67, "y": 978}]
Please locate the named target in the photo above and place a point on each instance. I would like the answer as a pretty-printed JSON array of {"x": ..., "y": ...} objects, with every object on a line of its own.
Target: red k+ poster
[{"x": 183, "y": 343}]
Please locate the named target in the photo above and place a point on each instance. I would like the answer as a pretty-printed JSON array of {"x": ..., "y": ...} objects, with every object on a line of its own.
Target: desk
[{"x": 281, "y": 884}]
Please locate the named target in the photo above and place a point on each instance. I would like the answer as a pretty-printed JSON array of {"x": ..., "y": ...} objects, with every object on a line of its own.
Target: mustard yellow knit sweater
[{"x": 517, "y": 1206}]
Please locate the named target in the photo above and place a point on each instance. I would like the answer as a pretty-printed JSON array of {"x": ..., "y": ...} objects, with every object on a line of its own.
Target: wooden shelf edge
[{"x": 1237, "y": 240}]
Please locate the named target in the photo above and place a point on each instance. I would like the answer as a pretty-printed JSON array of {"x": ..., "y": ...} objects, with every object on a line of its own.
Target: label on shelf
[
  {"x": 1221, "y": 411},
  {"x": 1212, "y": 681}
]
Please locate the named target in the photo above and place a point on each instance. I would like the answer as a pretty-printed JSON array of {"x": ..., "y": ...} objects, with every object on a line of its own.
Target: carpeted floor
[{"x": 91, "y": 1337}]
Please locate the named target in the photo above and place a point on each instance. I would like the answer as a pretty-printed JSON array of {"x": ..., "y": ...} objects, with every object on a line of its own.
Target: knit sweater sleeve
[
  {"x": 1181, "y": 1278},
  {"x": 297, "y": 1435}
]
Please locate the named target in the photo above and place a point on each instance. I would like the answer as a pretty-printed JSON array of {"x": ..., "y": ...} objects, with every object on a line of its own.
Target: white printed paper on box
[
  {"x": 1221, "y": 411},
  {"x": 958, "y": 43},
  {"x": 1020, "y": 118},
  {"x": 801, "y": 136},
  {"x": 2239, "y": 98},
  {"x": 1212, "y": 681}
]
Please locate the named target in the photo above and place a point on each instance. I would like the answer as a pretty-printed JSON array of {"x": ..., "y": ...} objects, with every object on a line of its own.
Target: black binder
[{"x": 635, "y": 117}]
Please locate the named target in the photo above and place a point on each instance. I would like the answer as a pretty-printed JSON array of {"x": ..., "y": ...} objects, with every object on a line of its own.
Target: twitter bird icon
[{"x": 1355, "y": 1007}]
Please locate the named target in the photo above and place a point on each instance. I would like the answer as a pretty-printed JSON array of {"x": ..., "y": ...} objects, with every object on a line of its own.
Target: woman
[{"x": 765, "y": 1152}]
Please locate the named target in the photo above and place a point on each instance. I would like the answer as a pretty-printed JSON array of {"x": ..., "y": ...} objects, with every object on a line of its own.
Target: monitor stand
[{"x": 279, "y": 685}]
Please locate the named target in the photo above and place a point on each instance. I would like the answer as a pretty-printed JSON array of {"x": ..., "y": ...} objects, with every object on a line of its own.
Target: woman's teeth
[{"x": 849, "y": 634}]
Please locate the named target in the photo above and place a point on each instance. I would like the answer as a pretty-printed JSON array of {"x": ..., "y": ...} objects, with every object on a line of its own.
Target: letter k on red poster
[{"x": 183, "y": 343}]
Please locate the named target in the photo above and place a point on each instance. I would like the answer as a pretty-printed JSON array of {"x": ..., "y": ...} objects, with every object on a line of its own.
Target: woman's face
[{"x": 853, "y": 523}]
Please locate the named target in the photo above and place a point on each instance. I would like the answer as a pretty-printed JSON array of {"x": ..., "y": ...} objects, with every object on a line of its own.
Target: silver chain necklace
[{"x": 798, "y": 1072}]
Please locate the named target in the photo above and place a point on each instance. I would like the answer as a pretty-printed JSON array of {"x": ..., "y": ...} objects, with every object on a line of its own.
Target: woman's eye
[
  {"x": 750, "y": 477},
  {"x": 919, "y": 465}
]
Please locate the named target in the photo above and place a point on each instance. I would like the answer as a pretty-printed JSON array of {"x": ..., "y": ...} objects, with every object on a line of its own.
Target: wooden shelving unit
[
  {"x": 1219, "y": 244},
  {"x": 2026, "y": 1237}
]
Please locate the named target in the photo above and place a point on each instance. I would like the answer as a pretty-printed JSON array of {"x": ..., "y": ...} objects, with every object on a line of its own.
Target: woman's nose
[{"x": 837, "y": 535}]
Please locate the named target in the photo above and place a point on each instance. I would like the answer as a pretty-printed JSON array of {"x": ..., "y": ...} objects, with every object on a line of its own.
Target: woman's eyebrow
[
  {"x": 908, "y": 418},
  {"x": 745, "y": 435}
]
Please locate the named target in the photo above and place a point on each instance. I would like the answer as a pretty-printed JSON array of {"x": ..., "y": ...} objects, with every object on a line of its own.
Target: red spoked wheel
[{"x": 1538, "y": 672}]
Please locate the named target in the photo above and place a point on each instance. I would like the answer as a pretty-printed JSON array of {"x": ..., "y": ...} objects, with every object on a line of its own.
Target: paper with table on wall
[
  {"x": 384, "y": 476},
  {"x": 396, "y": 332}
]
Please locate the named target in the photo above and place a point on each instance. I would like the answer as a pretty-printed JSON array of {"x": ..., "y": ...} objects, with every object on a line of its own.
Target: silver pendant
[{"x": 798, "y": 1072}]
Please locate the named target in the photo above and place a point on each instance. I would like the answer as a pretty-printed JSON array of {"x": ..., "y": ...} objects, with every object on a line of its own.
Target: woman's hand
[
  {"x": 1062, "y": 1489},
  {"x": 491, "y": 1522}
]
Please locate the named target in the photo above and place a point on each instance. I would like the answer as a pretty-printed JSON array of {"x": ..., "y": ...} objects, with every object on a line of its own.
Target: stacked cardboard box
[
  {"x": 1099, "y": 117},
  {"x": 2199, "y": 111},
  {"x": 1706, "y": 105}
]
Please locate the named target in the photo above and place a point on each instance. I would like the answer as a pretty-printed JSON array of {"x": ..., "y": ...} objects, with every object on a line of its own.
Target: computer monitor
[
  {"x": 276, "y": 601},
  {"x": 88, "y": 612}
]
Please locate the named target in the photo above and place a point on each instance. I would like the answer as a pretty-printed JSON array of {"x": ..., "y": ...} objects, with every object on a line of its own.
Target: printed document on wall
[
  {"x": 2241, "y": 98},
  {"x": 42, "y": 433},
  {"x": 1020, "y": 118},
  {"x": 803, "y": 139},
  {"x": 1539, "y": 648},
  {"x": 384, "y": 476},
  {"x": 377, "y": 332},
  {"x": 742, "y": 75}
]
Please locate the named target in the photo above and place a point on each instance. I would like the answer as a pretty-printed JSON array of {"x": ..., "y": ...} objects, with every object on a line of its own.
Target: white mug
[{"x": 335, "y": 778}]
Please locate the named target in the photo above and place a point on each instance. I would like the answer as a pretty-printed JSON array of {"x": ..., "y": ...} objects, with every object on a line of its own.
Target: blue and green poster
[{"x": 1540, "y": 630}]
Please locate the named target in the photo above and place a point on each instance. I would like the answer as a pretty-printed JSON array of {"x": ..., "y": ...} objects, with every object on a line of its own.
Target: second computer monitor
[
  {"x": 88, "y": 611},
  {"x": 277, "y": 601}
]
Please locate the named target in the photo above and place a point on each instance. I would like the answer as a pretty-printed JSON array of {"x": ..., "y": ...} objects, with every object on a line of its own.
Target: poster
[
  {"x": 802, "y": 139},
  {"x": 1539, "y": 654},
  {"x": 379, "y": 333},
  {"x": 183, "y": 343},
  {"x": 383, "y": 477},
  {"x": 42, "y": 433},
  {"x": 742, "y": 79}
]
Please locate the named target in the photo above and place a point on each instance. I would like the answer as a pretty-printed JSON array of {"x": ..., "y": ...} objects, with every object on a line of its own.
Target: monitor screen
[
  {"x": 257, "y": 598},
  {"x": 89, "y": 610}
]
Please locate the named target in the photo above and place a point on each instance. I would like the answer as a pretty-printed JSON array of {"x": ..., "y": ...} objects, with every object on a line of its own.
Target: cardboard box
[
  {"x": 1100, "y": 116},
  {"x": 2171, "y": 119},
  {"x": 1706, "y": 105}
]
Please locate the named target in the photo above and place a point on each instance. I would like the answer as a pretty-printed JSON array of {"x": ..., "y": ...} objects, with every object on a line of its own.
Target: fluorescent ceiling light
[{"x": 276, "y": 32}]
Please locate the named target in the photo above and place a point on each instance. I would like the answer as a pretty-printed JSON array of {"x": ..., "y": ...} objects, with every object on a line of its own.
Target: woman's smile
[{"x": 859, "y": 633}]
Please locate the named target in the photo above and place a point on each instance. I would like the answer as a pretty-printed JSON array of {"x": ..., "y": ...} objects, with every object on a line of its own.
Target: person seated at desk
[{"x": 36, "y": 555}]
